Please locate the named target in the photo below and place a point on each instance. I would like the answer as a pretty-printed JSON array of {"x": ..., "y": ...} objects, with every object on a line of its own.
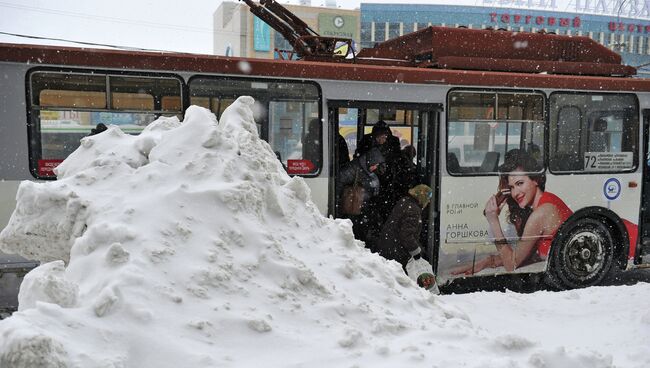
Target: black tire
[{"x": 582, "y": 255}]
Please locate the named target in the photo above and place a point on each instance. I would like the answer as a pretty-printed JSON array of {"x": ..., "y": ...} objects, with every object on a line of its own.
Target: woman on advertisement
[{"x": 534, "y": 213}]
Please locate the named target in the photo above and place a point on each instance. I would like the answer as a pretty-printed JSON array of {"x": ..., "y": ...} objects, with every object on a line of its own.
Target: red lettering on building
[
  {"x": 627, "y": 27},
  {"x": 576, "y": 22},
  {"x": 539, "y": 20}
]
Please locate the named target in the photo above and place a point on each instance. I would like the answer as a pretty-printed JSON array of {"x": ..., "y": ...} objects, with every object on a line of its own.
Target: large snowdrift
[{"x": 189, "y": 246}]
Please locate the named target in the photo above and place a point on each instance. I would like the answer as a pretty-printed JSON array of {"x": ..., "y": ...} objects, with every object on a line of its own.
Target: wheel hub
[{"x": 584, "y": 254}]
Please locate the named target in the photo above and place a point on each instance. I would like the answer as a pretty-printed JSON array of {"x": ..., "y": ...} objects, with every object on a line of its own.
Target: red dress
[{"x": 544, "y": 244}]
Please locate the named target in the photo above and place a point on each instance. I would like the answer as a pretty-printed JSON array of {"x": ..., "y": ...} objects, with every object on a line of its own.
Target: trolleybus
[{"x": 566, "y": 102}]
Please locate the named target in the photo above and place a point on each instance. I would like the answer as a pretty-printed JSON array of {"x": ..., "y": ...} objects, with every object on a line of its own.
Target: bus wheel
[{"x": 582, "y": 256}]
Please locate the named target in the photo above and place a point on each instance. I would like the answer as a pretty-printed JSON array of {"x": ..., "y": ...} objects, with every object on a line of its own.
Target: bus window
[
  {"x": 483, "y": 127},
  {"x": 287, "y": 114},
  {"x": 567, "y": 138},
  {"x": 66, "y": 106},
  {"x": 593, "y": 132},
  {"x": 140, "y": 93},
  {"x": 295, "y": 132},
  {"x": 214, "y": 104}
]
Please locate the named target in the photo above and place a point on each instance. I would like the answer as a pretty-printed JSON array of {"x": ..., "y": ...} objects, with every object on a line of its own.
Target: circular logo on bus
[
  {"x": 612, "y": 189},
  {"x": 338, "y": 22}
]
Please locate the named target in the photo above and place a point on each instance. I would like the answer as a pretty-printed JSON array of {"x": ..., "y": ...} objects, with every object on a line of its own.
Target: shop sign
[
  {"x": 537, "y": 20},
  {"x": 627, "y": 27},
  {"x": 336, "y": 25}
]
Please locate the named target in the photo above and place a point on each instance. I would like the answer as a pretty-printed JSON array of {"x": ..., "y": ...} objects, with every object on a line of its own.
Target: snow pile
[{"x": 189, "y": 246}]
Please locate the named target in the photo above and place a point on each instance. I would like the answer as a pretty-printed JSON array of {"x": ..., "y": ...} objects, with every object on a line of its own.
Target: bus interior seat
[
  {"x": 490, "y": 162},
  {"x": 453, "y": 166}
]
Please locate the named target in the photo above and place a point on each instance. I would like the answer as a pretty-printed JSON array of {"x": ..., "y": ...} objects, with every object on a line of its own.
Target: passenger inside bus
[
  {"x": 388, "y": 195},
  {"x": 311, "y": 147},
  {"x": 375, "y": 139},
  {"x": 358, "y": 183},
  {"x": 406, "y": 175},
  {"x": 343, "y": 151}
]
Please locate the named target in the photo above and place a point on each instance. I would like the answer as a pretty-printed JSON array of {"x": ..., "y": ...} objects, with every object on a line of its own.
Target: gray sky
[{"x": 172, "y": 25}]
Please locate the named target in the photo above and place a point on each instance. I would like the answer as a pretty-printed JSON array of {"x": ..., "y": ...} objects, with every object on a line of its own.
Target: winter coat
[
  {"x": 406, "y": 175},
  {"x": 344, "y": 152},
  {"x": 358, "y": 169},
  {"x": 392, "y": 145},
  {"x": 400, "y": 234}
]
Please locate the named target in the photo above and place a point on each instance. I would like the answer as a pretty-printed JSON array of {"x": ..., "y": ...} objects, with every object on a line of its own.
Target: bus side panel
[
  {"x": 319, "y": 187},
  {"x": 14, "y": 156},
  {"x": 8, "y": 190},
  {"x": 617, "y": 192}
]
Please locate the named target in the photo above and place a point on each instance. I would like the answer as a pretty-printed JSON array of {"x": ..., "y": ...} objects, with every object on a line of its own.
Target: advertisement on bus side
[{"x": 508, "y": 223}]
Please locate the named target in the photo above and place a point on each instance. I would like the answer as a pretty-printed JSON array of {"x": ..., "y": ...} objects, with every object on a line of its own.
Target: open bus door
[
  {"x": 643, "y": 255},
  {"x": 414, "y": 124}
]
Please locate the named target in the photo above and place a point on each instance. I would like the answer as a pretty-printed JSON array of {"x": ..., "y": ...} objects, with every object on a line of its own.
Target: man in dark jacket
[
  {"x": 399, "y": 238},
  {"x": 382, "y": 137}
]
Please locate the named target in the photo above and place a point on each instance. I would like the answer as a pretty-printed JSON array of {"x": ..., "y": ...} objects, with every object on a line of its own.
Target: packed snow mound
[{"x": 189, "y": 246}]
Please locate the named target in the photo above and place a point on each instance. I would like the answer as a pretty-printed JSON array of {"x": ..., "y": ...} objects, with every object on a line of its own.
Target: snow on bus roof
[{"x": 189, "y": 246}]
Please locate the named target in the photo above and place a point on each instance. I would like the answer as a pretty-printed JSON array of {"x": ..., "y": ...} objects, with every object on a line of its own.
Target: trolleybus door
[{"x": 414, "y": 124}]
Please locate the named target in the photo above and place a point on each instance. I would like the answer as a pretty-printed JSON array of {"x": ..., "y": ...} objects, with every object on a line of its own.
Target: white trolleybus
[{"x": 488, "y": 117}]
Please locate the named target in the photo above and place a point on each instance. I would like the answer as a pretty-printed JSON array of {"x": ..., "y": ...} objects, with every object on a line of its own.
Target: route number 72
[{"x": 590, "y": 161}]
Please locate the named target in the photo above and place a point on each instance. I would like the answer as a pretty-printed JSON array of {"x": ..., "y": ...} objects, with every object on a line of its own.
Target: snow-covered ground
[{"x": 189, "y": 246}]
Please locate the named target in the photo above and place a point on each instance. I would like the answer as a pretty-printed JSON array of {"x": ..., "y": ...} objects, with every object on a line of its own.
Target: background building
[{"x": 237, "y": 32}]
